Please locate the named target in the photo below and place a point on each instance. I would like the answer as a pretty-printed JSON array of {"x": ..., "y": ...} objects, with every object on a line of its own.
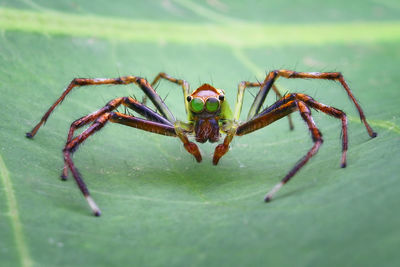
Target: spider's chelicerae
[{"x": 209, "y": 115}]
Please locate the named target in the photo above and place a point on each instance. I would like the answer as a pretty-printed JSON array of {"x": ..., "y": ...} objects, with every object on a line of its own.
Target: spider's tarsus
[
  {"x": 29, "y": 135},
  {"x": 267, "y": 199},
  {"x": 343, "y": 165},
  {"x": 97, "y": 213},
  {"x": 63, "y": 177},
  {"x": 374, "y": 134},
  {"x": 93, "y": 206}
]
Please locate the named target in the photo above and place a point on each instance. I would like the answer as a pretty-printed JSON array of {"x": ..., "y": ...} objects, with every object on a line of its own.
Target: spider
[{"x": 209, "y": 116}]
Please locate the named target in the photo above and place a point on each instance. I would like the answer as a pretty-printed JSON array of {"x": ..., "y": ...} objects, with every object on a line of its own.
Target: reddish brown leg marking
[
  {"x": 284, "y": 107},
  {"x": 85, "y": 120},
  {"x": 71, "y": 147},
  {"x": 110, "y": 106},
  {"x": 246, "y": 84},
  {"x": 99, "y": 123},
  {"x": 142, "y": 83},
  {"x": 262, "y": 120},
  {"x": 184, "y": 84},
  {"x": 334, "y": 112},
  {"x": 337, "y": 76},
  {"x": 223, "y": 148},
  {"x": 317, "y": 139},
  {"x": 163, "y": 75},
  {"x": 190, "y": 147}
]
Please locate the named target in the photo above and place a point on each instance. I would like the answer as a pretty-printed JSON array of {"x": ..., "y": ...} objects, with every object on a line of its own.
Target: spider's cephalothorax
[
  {"x": 209, "y": 115},
  {"x": 207, "y": 110}
]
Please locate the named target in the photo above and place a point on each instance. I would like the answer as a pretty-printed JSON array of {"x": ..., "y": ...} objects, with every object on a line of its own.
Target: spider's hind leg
[
  {"x": 282, "y": 108},
  {"x": 334, "y": 112},
  {"x": 317, "y": 139},
  {"x": 110, "y": 106},
  {"x": 73, "y": 145}
]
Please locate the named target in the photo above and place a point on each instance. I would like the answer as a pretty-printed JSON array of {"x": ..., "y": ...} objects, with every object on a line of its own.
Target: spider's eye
[
  {"x": 221, "y": 97},
  {"x": 189, "y": 98},
  {"x": 212, "y": 104},
  {"x": 197, "y": 104}
]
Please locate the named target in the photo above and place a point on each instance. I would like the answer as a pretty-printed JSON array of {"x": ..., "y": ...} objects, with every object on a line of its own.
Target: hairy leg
[
  {"x": 185, "y": 86},
  {"x": 110, "y": 106},
  {"x": 335, "y": 76},
  {"x": 142, "y": 83},
  {"x": 240, "y": 95},
  {"x": 99, "y": 123},
  {"x": 282, "y": 108}
]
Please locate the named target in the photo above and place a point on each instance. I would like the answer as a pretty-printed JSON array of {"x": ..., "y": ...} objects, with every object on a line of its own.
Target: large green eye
[
  {"x": 212, "y": 104},
  {"x": 197, "y": 104}
]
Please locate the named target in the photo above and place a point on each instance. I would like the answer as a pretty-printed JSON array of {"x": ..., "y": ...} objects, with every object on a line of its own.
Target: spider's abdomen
[{"x": 207, "y": 129}]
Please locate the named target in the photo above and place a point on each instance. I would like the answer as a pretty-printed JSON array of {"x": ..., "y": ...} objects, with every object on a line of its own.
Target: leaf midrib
[{"x": 22, "y": 249}]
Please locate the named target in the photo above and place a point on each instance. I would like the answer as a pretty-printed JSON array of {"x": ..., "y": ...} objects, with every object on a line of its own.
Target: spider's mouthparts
[{"x": 207, "y": 130}]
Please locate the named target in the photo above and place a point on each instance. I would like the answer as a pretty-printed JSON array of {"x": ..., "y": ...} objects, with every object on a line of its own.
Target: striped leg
[
  {"x": 110, "y": 106},
  {"x": 142, "y": 83},
  {"x": 99, "y": 123},
  {"x": 336, "y": 76},
  {"x": 282, "y": 108},
  {"x": 223, "y": 148},
  {"x": 317, "y": 139},
  {"x": 185, "y": 86},
  {"x": 240, "y": 95},
  {"x": 334, "y": 112}
]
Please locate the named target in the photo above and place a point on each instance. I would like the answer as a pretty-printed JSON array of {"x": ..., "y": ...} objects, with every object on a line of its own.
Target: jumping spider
[{"x": 209, "y": 115}]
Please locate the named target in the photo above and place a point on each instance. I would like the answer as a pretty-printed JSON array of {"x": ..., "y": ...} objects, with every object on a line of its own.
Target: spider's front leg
[
  {"x": 77, "y": 82},
  {"x": 289, "y": 74}
]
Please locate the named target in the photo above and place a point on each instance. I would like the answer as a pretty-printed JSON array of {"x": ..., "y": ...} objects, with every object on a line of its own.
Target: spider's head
[{"x": 205, "y": 106}]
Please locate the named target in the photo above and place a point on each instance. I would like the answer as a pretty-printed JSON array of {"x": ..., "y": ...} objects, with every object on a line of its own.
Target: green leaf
[{"x": 160, "y": 207}]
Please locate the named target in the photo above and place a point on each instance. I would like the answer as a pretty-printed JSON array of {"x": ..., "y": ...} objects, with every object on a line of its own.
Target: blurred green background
[{"x": 161, "y": 208}]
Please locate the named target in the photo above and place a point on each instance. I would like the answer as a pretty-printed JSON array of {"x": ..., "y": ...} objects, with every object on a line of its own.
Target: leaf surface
[{"x": 161, "y": 208}]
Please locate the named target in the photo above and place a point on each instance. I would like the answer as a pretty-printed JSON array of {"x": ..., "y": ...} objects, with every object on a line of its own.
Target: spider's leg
[
  {"x": 110, "y": 106},
  {"x": 99, "y": 123},
  {"x": 334, "y": 112},
  {"x": 336, "y": 76},
  {"x": 277, "y": 111},
  {"x": 223, "y": 148},
  {"x": 142, "y": 83},
  {"x": 240, "y": 95},
  {"x": 317, "y": 139},
  {"x": 185, "y": 86}
]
